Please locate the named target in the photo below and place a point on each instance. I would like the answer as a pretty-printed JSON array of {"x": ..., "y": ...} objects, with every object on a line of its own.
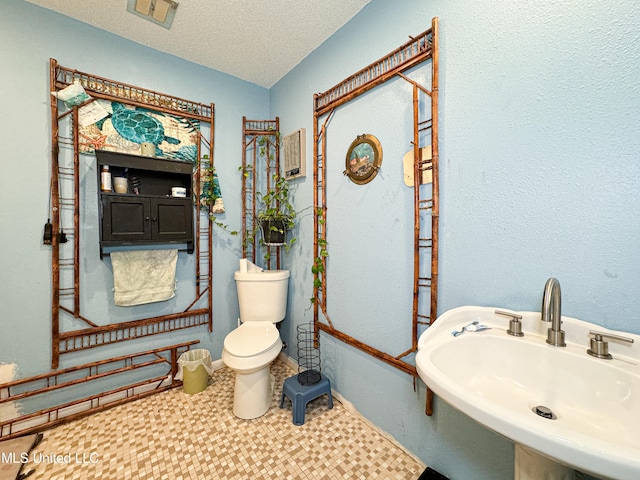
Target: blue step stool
[{"x": 300, "y": 395}]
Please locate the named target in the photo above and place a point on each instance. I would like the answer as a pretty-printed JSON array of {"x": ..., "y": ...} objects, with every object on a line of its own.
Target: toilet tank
[{"x": 262, "y": 296}]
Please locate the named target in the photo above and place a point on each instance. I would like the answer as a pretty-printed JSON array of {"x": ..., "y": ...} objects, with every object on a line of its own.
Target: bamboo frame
[
  {"x": 252, "y": 132},
  {"x": 417, "y": 50},
  {"x": 59, "y": 380},
  {"x": 96, "y": 335}
]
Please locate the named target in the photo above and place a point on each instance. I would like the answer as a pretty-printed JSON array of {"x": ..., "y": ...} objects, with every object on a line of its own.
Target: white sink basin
[{"x": 498, "y": 379}]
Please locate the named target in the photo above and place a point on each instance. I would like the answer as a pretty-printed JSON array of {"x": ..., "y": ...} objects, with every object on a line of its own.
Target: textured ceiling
[{"x": 255, "y": 40}]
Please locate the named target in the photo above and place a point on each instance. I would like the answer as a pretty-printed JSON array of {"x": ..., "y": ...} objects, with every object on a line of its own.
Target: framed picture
[{"x": 363, "y": 160}]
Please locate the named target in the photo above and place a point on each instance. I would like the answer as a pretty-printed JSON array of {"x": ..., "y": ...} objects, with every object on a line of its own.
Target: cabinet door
[
  {"x": 125, "y": 218},
  {"x": 172, "y": 219}
]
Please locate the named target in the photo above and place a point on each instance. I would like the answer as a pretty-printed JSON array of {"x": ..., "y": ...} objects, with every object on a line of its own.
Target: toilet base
[{"x": 253, "y": 393}]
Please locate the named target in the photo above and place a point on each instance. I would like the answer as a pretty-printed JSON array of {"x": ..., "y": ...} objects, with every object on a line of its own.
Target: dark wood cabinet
[{"x": 146, "y": 213}]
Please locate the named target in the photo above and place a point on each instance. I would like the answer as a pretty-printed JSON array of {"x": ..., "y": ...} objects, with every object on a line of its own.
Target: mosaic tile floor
[{"x": 175, "y": 436}]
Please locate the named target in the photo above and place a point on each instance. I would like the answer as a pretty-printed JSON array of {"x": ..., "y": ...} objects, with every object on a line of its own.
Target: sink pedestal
[{"x": 530, "y": 465}]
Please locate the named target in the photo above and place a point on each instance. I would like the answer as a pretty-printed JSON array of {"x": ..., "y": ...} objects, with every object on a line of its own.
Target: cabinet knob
[
  {"x": 154, "y": 219},
  {"x": 147, "y": 218}
]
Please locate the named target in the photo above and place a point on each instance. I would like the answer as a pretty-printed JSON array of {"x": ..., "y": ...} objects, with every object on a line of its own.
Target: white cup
[
  {"x": 120, "y": 184},
  {"x": 148, "y": 149}
]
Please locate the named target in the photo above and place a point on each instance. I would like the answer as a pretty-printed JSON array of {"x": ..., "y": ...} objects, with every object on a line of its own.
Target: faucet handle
[
  {"x": 515, "y": 325},
  {"x": 600, "y": 348}
]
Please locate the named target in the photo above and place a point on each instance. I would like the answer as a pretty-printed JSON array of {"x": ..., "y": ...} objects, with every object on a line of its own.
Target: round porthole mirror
[{"x": 363, "y": 160}]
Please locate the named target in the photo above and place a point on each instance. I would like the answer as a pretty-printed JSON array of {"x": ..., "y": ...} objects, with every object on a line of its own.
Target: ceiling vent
[{"x": 160, "y": 12}]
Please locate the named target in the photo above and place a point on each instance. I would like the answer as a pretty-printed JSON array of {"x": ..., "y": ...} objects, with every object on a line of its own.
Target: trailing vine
[
  {"x": 209, "y": 193},
  {"x": 318, "y": 263}
]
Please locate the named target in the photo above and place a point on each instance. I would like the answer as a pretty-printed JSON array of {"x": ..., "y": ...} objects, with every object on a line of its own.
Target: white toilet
[{"x": 250, "y": 348}]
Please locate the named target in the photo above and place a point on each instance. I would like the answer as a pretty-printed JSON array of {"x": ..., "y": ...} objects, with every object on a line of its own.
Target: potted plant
[
  {"x": 276, "y": 213},
  {"x": 210, "y": 195}
]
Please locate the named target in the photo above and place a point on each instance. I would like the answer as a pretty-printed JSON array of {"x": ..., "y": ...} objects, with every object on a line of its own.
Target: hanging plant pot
[{"x": 273, "y": 232}]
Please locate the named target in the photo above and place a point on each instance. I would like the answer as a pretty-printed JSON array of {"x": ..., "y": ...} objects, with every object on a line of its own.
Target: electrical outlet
[{"x": 48, "y": 233}]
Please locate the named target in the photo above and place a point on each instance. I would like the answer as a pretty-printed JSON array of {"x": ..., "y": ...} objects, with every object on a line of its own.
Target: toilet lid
[{"x": 251, "y": 338}]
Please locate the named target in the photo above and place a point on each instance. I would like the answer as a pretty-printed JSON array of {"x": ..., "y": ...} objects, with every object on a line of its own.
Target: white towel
[{"x": 143, "y": 276}]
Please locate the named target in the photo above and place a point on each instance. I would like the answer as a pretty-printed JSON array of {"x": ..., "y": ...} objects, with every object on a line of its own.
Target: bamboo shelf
[
  {"x": 260, "y": 162},
  {"x": 65, "y": 379}
]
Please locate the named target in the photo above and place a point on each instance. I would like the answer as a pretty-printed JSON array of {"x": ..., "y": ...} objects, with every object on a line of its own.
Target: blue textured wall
[
  {"x": 539, "y": 136},
  {"x": 539, "y": 156},
  {"x": 30, "y": 36}
]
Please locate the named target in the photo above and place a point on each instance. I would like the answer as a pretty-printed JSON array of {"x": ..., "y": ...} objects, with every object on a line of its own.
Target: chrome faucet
[{"x": 551, "y": 312}]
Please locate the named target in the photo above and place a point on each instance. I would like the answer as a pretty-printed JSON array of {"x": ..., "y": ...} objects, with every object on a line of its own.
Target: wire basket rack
[{"x": 308, "y": 354}]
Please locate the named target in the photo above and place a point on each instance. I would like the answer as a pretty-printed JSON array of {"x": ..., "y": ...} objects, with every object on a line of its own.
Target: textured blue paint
[
  {"x": 540, "y": 147},
  {"x": 30, "y": 36},
  {"x": 540, "y": 139}
]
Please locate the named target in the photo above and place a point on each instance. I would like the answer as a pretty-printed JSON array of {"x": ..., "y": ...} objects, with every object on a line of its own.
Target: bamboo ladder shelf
[
  {"x": 65, "y": 271},
  {"x": 65, "y": 213},
  {"x": 260, "y": 162},
  {"x": 417, "y": 50},
  {"x": 66, "y": 379}
]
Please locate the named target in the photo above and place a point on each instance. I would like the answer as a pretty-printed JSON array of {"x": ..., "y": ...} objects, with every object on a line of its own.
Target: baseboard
[{"x": 217, "y": 364}]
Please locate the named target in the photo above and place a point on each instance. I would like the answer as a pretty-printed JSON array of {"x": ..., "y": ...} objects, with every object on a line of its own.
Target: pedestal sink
[{"x": 581, "y": 411}]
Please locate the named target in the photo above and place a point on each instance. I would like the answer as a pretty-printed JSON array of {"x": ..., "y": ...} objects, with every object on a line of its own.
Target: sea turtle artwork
[
  {"x": 126, "y": 128},
  {"x": 138, "y": 126}
]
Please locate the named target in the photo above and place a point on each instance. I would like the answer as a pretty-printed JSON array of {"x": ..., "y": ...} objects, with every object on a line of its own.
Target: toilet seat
[{"x": 251, "y": 338}]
